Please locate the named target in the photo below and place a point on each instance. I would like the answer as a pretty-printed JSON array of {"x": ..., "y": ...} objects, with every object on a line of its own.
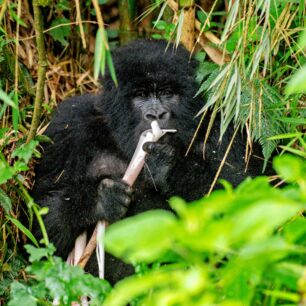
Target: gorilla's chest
[{"x": 106, "y": 165}]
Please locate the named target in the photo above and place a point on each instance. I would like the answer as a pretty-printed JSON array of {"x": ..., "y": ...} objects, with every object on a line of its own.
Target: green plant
[
  {"x": 51, "y": 278},
  {"x": 243, "y": 246}
]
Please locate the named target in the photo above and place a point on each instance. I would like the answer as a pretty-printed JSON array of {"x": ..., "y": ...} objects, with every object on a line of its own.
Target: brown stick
[{"x": 90, "y": 247}]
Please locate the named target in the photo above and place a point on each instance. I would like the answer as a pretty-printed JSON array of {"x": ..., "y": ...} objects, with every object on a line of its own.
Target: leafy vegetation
[
  {"x": 227, "y": 249},
  {"x": 235, "y": 247}
]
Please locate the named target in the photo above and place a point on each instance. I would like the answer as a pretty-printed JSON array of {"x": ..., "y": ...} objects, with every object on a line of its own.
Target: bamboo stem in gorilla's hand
[{"x": 129, "y": 177}]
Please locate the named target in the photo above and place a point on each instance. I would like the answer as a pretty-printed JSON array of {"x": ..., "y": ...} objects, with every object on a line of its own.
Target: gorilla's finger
[
  {"x": 120, "y": 186},
  {"x": 149, "y": 146}
]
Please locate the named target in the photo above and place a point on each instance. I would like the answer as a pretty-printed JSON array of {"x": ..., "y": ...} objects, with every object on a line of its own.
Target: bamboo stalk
[
  {"x": 127, "y": 15},
  {"x": 42, "y": 67}
]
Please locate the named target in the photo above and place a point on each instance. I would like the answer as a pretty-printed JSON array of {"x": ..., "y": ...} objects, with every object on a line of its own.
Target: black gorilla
[{"x": 94, "y": 138}]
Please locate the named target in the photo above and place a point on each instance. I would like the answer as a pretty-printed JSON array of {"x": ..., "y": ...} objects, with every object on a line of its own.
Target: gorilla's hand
[
  {"x": 114, "y": 198},
  {"x": 160, "y": 160}
]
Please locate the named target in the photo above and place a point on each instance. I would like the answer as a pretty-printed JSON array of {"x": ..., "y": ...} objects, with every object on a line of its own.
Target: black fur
[{"x": 94, "y": 137}]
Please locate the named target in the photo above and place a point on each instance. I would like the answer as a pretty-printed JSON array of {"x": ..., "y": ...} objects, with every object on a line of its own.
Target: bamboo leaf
[
  {"x": 24, "y": 230},
  {"x": 6, "y": 99},
  {"x": 287, "y": 135},
  {"x": 111, "y": 67},
  {"x": 161, "y": 12},
  {"x": 98, "y": 54},
  {"x": 179, "y": 28}
]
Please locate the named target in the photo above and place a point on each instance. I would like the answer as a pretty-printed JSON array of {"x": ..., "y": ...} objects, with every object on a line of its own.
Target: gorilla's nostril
[
  {"x": 150, "y": 117},
  {"x": 164, "y": 115},
  {"x": 157, "y": 115}
]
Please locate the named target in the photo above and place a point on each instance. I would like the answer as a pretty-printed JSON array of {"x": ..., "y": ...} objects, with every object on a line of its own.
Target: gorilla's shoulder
[
  {"x": 73, "y": 114},
  {"x": 76, "y": 106}
]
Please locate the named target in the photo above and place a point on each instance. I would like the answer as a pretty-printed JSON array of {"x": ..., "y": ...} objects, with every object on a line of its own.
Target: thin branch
[
  {"x": 91, "y": 246},
  {"x": 222, "y": 162},
  {"x": 42, "y": 67},
  {"x": 17, "y": 49},
  {"x": 100, "y": 22},
  {"x": 79, "y": 22}
]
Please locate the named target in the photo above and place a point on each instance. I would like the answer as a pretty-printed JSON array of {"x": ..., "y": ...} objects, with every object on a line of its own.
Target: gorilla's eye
[
  {"x": 143, "y": 93},
  {"x": 167, "y": 92}
]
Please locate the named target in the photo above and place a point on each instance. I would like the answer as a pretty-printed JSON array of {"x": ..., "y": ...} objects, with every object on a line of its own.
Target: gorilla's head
[{"x": 155, "y": 82}]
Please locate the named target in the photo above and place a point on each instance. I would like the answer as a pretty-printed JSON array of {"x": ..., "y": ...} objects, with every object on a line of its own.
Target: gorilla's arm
[{"x": 79, "y": 177}]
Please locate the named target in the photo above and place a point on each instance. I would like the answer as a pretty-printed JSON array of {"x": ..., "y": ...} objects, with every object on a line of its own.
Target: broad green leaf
[
  {"x": 21, "y": 295},
  {"x": 25, "y": 151},
  {"x": 60, "y": 30},
  {"x": 289, "y": 167},
  {"x": 142, "y": 238},
  {"x": 6, "y": 172},
  {"x": 297, "y": 84},
  {"x": 295, "y": 230},
  {"x": 36, "y": 253},
  {"x": 302, "y": 39}
]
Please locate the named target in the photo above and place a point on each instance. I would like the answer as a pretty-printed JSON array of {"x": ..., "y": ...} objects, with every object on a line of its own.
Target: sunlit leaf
[
  {"x": 125, "y": 239},
  {"x": 297, "y": 84}
]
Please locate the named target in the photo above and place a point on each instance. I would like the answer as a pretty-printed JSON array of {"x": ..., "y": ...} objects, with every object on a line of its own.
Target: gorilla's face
[
  {"x": 155, "y": 103},
  {"x": 155, "y": 82}
]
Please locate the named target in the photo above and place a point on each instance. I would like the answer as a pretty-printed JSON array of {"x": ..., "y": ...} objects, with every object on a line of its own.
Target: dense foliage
[
  {"x": 243, "y": 246},
  {"x": 235, "y": 247}
]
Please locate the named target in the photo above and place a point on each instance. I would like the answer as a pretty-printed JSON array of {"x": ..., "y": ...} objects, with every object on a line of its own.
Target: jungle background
[{"x": 243, "y": 246}]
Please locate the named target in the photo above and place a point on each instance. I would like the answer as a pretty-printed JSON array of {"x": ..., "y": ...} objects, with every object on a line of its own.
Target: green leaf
[
  {"x": 289, "y": 167},
  {"x": 302, "y": 39},
  {"x": 294, "y": 151},
  {"x": 296, "y": 230},
  {"x": 287, "y": 135},
  {"x": 295, "y": 121},
  {"x": 6, "y": 172},
  {"x": 98, "y": 54},
  {"x": 36, "y": 254},
  {"x": 23, "y": 229},
  {"x": 111, "y": 67},
  {"x": 21, "y": 295},
  {"x": 20, "y": 166},
  {"x": 25, "y": 151},
  {"x": 6, "y": 99},
  {"x": 143, "y": 238},
  {"x": 5, "y": 201},
  {"x": 297, "y": 84},
  {"x": 61, "y": 30}
]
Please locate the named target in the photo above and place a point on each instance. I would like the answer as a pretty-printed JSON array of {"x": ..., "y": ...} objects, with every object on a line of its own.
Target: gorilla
[{"x": 94, "y": 136}]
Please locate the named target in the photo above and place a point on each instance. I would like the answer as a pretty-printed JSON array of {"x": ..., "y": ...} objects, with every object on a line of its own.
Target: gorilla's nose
[{"x": 157, "y": 115}]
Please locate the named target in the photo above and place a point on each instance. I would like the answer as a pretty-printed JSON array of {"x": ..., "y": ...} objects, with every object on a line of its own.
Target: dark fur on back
[{"x": 94, "y": 138}]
